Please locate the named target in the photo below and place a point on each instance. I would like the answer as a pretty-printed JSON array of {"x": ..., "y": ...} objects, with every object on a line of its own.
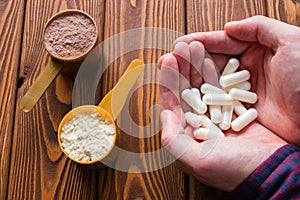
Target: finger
[
  {"x": 182, "y": 54},
  {"x": 160, "y": 60},
  {"x": 210, "y": 72},
  {"x": 169, "y": 83},
  {"x": 197, "y": 53},
  {"x": 191, "y": 155},
  {"x": 267, "y": 31},
  {"x": 215, "y": 42},
  {"x": 173, "y": 138}
]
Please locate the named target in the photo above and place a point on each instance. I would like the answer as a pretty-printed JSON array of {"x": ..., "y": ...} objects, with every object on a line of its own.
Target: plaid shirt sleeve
[{"x": 278, "y": 177}]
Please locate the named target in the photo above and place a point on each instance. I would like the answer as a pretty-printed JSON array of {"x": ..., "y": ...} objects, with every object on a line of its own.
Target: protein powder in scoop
[
  {"x": 87, "y": 135},
  {"x": 70, "y": 35}
]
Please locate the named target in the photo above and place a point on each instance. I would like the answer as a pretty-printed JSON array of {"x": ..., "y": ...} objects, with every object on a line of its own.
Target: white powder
[{"x": 87, "y": 136}]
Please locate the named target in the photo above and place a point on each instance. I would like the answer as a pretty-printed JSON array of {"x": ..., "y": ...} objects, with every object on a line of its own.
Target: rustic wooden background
[{"x": 32, "y": 165}]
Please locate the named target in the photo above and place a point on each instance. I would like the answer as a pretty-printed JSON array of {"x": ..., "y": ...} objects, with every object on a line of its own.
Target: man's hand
[
  {"x": 270, "y": 50},
  {"x": 222, "y": 163}
]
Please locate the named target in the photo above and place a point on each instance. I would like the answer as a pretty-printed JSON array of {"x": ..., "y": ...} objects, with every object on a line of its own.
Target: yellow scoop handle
[
  {"x": 115, "y": 99},
  {"x": 40, "y": 85}
]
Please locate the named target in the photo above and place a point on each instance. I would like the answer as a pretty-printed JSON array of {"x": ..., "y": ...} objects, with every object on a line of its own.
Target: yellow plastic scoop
[
  {"x": 115, "y": 99},
  {"x": 109, "y": 108},
  {"x": 40, "y": 85}
]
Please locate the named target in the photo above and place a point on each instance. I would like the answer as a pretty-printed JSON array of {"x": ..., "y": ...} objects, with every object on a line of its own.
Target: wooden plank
[
  {"x": 210, "y": 15},
  {"x": 166, "y": 183},
  {"x": 11, "y": 24},
  {"x": 206, "y": 15},
  {"x": 284, "y": 10},
  {"x": 39, "y": 170}
]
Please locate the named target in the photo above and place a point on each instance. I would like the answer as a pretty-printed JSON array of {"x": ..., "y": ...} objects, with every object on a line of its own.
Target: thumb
[
  {"x": 171, "y": 127},
  {"x": 185, "y": 150},
  {"x": 173, "y": 138},
  {"x": 267, "y": 31}
]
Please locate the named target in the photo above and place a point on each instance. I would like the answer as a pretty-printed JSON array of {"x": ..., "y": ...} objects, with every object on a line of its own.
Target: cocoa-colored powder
[{"x": 70, "y": 35}]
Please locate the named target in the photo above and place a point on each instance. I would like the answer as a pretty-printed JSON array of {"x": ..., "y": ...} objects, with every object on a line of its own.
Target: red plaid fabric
[{"x": 278, "y": 177}]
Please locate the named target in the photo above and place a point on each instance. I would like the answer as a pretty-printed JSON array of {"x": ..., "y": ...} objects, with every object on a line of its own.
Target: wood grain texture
[
  {"x": 11, "y": 28},
  {"x": 38, "y": 168},
  {"x": 210, "y": 15},
  {"x": 284, "y": 10},
  {"x": 32, "y": 166},
  {"x": 166, "y": 183}
]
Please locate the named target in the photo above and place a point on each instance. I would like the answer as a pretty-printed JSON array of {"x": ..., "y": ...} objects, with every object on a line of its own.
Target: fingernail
[{"x": 163, "y": 116}]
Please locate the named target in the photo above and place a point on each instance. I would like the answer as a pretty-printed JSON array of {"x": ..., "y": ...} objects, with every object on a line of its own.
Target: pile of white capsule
[{"x": 221, "y": 102}]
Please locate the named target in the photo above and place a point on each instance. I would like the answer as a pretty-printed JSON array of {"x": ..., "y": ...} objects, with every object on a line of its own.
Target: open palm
[
  {"x": 241, "y": 153},
  {"x": 272, "y": 60},
  {"x": 269, "y": 49}
]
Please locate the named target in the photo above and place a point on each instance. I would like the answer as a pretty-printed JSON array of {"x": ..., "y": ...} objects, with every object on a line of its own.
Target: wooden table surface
[{"x": 32, "y": 164}]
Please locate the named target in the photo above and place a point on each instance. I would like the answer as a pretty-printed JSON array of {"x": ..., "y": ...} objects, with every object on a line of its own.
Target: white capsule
[
  {"x": 207, "y": 123},
  {"x": 196, "y": 92},
  {"x": 234, "y": 78},
  {"x": 192, "y": 100},
  {"x": 245, "y": 85},
  {"x": 207, "y": 88},
  {"x": 238, "y": 107},
  {"x": 215, "y": 113},
  {"x": 217, "y": 99},
  {"x": 207, "y": 133},
  {"x": 243, "y": 95},
  {"x": 226, "y": 117},
  {"x": 231, "y": 66},
  {"x": 243, "y": 120},
  {"x": 193, "y": 119}
]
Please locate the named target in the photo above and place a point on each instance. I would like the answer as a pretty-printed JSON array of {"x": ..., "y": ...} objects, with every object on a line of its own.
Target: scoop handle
[
  {"x": 115, "y": 99},
  {"x": 40, "y": 85}
]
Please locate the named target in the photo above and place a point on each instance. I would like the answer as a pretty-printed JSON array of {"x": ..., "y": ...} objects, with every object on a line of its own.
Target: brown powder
[{"x": 70, "y": 35}]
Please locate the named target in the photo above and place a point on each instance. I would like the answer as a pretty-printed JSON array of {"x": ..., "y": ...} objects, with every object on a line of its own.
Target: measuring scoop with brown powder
[{"x": 68, "y": 36}]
